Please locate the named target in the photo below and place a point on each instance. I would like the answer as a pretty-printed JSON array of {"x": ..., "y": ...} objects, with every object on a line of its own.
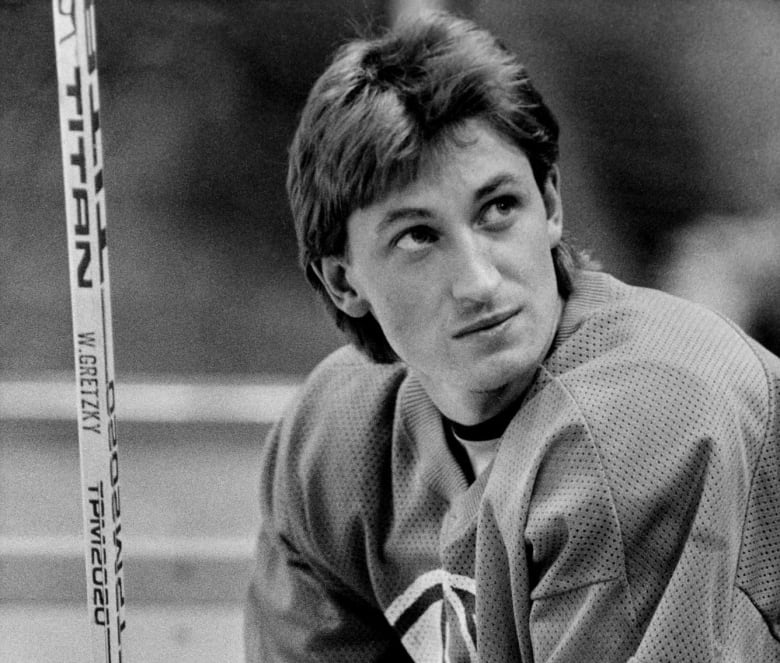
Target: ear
[
  {"x": 553, "y": 206},
  {"x": 333, "y": 272}
]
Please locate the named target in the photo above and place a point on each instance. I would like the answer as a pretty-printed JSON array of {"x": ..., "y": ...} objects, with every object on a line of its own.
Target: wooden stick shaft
[{"x": 82, "y": 159}]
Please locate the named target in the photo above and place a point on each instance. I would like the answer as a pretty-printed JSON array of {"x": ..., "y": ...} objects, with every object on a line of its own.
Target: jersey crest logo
[{"x": 436, "y": 618}]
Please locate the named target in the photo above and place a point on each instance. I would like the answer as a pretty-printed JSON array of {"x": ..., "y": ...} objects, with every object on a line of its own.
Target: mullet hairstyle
[{"x": 380, "y": 106}]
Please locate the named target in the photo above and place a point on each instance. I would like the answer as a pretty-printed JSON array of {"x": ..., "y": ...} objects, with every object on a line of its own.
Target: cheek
[
  {"x": 402, "y": 312},
  {"x": 407, "y": 316},
  {"x": 527, "y": 261}
]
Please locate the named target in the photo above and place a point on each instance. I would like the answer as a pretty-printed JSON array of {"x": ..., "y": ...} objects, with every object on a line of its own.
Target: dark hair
[{"x": 378, "y": 107}]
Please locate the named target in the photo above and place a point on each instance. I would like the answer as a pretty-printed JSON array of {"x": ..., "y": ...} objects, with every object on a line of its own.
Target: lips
[{"x": 485, "y": 323}]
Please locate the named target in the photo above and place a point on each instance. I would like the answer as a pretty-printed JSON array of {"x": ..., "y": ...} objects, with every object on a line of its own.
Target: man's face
[{"x": 457, "y": 270}]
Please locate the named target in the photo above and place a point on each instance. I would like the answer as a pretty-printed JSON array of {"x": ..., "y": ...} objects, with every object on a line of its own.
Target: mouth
[{"x": 488, "y": 323}]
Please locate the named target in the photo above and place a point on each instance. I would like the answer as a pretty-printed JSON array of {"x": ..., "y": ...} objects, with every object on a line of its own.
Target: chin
[{"x": 498, "y": 372}]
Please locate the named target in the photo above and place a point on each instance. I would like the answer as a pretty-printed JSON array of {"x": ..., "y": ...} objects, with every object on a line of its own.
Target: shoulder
[
  {"x": 640, "y": 339},
  {"x": 653, "y": 374},
  {"x": 344, "y": 400},
  {"x": 348, "y": 370},
  {"x": 332, "y": 442},
  {"x": 674, "y": 406},
  {"x": 346, "y": 394}
]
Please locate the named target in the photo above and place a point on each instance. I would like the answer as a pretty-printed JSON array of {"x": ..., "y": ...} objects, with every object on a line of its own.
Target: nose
[{"x": 475, "y": 277}]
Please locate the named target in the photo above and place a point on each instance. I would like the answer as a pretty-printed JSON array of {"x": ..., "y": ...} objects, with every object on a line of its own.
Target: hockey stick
[{"x": 82, "y": 161}]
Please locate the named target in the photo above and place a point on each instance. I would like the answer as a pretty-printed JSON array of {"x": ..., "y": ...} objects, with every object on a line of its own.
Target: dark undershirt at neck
[{"x": 490, "y": 429}]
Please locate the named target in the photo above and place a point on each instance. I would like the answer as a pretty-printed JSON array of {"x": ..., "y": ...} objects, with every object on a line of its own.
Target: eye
[
  {"x": 500, "y": 209},
  {"x": 415, "y": 238}
]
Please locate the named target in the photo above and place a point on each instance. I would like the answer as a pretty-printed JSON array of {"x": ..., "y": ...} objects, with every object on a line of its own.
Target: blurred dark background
[{"x": 670, "y": 161}]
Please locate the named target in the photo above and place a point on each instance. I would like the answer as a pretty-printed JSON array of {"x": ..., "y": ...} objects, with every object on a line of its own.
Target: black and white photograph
[{"x": 389, "y": 331}]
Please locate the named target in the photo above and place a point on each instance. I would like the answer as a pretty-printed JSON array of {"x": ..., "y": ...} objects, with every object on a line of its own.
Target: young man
[{"x": 517, "y": 458}]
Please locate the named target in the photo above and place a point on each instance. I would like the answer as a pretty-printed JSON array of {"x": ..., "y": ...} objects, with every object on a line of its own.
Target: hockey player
[{"x": 517, "y": 457}]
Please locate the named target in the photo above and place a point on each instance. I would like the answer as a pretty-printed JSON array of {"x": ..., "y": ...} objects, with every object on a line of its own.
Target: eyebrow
[
  {"x": 494, "y": 183},
  {"x": 403, "y": 213}
]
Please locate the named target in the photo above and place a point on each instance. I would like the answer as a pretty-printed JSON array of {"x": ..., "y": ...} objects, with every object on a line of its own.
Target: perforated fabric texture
[{"x": 632, "y": 511}]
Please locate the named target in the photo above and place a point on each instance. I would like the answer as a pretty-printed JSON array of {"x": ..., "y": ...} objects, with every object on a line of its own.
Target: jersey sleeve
[
  {"x": 292, "y": 615},
  {"x": 581, "y": 605},
  {"x": 303, "y": 605},
  {"x": 637, "y": 522}
]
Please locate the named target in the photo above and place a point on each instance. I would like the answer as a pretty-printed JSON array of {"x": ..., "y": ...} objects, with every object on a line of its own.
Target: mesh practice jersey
[{"x": 632, "y": 512}]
